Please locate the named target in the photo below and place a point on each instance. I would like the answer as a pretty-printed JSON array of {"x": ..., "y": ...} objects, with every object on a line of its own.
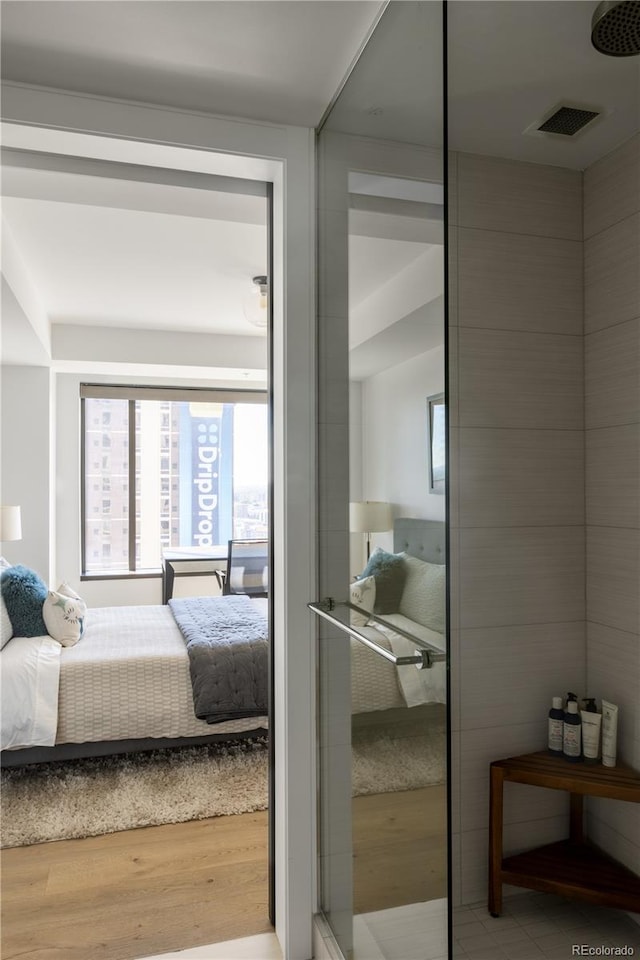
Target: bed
[
  {"x": 377, "y": 685},
  {"x": 125, "y": 686}
]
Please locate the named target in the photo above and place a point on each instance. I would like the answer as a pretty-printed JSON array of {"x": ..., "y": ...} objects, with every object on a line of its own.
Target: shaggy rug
[{"x": 84, "y": 798}]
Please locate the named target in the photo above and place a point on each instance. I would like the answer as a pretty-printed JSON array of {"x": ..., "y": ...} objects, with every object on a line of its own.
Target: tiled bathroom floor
[
  {"x": 536, "y": 925},
  {"x": 532, "y": 926}
]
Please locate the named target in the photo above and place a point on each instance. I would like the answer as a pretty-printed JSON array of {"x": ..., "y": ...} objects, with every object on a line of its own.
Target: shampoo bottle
[
  {"x": 591, "y": 723},
  {"x": 556, "y": 726},
  {"x": 571, "y": 738}
]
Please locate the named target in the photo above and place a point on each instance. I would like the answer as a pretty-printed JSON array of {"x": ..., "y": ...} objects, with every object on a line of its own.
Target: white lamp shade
[
  {"x": 10, "y": 523},
  {"x": 370, "y": 516}
]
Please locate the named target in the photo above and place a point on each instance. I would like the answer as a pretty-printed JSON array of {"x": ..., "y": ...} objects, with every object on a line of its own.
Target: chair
[{"x": 247, "y": 568}]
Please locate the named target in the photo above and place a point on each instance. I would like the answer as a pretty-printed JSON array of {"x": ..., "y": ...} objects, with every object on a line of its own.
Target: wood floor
[
  {"x": 136, "y": 893},
  {"x": 400, "y": 848},
  {"x": 142, "y": 892}
]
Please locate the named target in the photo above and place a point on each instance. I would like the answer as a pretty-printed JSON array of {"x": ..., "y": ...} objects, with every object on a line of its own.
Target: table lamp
[
  {"x": 369, "y": 516},
  {"x": 10, "y": 523}
]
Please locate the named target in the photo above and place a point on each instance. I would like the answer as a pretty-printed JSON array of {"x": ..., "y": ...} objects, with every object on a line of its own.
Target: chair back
[{"x": 247, "y": 568}]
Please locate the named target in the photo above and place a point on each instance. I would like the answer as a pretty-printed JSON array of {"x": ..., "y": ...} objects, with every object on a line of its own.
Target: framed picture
[{"x": 436, "y": 442}]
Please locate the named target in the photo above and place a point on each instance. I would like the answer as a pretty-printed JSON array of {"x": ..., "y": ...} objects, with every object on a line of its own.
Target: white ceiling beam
[
  {"x": 113, "y": 190},
  {"x": 75, "y": 343},
  {"x": 420, "y": 282}
]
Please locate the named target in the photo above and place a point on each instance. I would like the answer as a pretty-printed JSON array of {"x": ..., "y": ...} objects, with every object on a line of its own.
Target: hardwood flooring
[
  {"x": 136, "y": 893},
  {"x": 156, "y": 889},
  {"x": 400, "y": 848}
]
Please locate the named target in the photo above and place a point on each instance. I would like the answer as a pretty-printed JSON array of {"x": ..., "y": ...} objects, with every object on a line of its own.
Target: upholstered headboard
[{"x": 424, "y": 539}]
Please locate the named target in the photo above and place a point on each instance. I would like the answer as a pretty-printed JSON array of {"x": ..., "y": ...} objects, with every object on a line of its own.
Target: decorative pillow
[
  {"x": 423, "y": 597},
  {"x": 390, "y": 573},
  {"x": 363, "y": 595},
  {"x": 64, "y": 614},
  {"x": 6, "y": 630},
  {"x": 24, "y": 593}
]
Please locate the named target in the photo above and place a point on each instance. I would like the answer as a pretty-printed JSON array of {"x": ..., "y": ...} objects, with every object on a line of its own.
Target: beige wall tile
[
  {"x": 452, "y": 174},
  {"x": 518, "y": 282},
  {"x": 612, "y": 188},
  {"x": 521, "y": 477},
  {"x": 613, "y": 575},
  {"x": 613, "y": 672},
  {"x": 509, "y": 675},
  {"x": 612, "y": 379},
  {"x": 612, "y": 275},
  {"x": 607, "y": 837},
  {"x": 333, "y": 263},
  {"x": 612, "y": 476},
  {"x": 521, "y": 575},
  {"x": 453, "y": 300},
  {"x": 521, "y": 380},
  {"x": 479, "y": 749},
  {"x": 530, "y": 198}
]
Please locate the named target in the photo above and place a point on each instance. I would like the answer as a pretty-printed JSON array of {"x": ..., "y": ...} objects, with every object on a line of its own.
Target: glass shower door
[{"x": 382, "y": 652}]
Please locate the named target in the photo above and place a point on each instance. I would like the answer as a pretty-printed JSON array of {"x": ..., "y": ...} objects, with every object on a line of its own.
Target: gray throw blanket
[{"x": 228, "y": 655}]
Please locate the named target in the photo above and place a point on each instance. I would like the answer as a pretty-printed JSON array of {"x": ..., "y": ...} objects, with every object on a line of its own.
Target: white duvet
[{"x": 29, "y": 682}]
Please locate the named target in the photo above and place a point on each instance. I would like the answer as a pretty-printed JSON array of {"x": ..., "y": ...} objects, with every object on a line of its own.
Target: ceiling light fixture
[{"x": 255, "y": 304}]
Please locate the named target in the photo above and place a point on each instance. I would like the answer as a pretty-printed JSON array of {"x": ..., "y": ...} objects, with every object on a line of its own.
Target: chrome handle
[{"x": 424, "y": 657}]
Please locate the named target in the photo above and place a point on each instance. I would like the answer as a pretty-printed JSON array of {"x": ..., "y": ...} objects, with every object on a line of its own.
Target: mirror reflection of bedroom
[
  {"x": 383, "y": 836},
  {"x": 134, "y": 732}
]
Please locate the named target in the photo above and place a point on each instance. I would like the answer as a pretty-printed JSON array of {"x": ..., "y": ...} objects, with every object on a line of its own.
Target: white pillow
[
  {"x": 363, "y": 594},
  {"x": 423, "y": 597},
  {"x": 6, "y": 630},
  {"x": 64, "y": 614}
]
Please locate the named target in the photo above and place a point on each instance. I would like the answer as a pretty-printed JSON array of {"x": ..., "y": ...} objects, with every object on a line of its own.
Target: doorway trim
[{"x": 38, "y": 118}]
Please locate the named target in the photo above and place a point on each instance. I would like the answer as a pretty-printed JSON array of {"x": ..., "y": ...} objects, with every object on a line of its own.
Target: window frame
[{"x": 132, "y": 393}]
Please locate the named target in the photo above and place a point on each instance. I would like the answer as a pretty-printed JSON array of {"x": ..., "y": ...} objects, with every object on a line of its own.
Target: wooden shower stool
[{"x": 573, "y": 867}]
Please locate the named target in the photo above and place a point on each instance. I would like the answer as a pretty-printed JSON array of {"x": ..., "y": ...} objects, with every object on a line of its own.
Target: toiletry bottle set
[{"x": 575, "y": 734}]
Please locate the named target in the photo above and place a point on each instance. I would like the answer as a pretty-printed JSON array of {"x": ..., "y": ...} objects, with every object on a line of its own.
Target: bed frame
[
  {"x": 424, "y": 539},
  {"x": 105, "y": 748}
]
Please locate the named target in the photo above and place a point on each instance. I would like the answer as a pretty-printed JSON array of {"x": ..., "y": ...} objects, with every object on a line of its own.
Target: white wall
[
  {"x": 395, "y": 438},
  {"x": 27, "y": 463}
]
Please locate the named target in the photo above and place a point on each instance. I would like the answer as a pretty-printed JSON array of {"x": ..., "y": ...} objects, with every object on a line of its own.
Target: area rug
[{"x": 84, "y": 798}]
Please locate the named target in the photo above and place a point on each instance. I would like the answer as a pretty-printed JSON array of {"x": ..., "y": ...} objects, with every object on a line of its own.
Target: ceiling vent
[{"x": 565, "y": 121}]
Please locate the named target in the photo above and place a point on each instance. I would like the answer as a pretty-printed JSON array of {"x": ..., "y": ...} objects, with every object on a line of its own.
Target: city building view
[{"x": 201, "y": 478}]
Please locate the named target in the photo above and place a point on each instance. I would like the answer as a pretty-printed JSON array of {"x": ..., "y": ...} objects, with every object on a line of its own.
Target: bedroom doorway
[{"x": 153, "y": 356}]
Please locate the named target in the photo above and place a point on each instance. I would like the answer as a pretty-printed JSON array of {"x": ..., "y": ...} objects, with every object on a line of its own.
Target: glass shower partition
[{"x": 382, "y": 652}]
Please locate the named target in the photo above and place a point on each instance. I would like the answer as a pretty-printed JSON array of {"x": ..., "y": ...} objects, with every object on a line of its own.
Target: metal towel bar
[{"x": 425, "y": 656}]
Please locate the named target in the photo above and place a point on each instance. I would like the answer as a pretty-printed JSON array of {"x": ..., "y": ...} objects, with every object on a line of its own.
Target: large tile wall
[
  {"x": 517, "y": 497},
  {"x": 612, "y": 476}
]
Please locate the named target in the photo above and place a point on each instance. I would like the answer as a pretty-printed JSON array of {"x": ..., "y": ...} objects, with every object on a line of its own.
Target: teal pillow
[
  {"x": 24, "y": 593},
  {"x": 390, "y": 574}
]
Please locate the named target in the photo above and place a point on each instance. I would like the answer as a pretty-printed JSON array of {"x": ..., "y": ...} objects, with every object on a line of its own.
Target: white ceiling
[{"x": 274, "y": 60}]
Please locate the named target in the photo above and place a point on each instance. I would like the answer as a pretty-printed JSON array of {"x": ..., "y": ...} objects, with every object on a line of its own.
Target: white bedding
[
  {"x": 418, "y": 686},
  {"x": 376, "y": 684},
  {"x": 127, "y": 678},
  {"x": 29, "y": 676}
]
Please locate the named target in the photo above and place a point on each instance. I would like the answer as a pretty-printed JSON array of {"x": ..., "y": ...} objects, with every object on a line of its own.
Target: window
[{"x": 211, "y": 487}]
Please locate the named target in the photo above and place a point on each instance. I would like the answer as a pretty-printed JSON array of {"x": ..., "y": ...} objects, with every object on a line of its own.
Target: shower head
[{"x": 615, "y": 28}]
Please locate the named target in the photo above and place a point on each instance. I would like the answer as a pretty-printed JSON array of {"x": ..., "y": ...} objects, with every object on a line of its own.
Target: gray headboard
[{"x": 424, "y": 539}]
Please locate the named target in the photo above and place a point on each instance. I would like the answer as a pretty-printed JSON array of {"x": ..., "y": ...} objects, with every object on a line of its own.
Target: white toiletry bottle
[
  {"x": 572, "y": 730},
  {"x": 556, "y": 726}
]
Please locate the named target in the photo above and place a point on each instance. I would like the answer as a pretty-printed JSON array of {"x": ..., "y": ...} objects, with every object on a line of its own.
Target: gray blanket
[{"x": 228, "y": 655}]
